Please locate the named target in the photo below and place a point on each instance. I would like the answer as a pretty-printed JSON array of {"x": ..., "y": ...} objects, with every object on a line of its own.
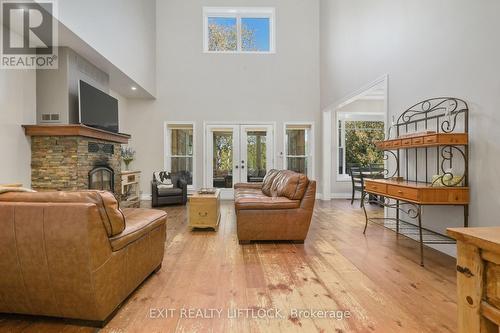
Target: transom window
[
  {"x": 356, "y": 133},
  {"x": 238, "y": 30}
]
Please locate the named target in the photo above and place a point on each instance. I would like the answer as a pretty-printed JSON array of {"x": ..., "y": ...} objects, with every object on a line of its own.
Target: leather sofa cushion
[
  {"x": 265, "y": 202},
  {"x": 169, "y": 192},
  {"x": 267, "y": 183},
  {"x": 140, "y": 222},
  {"x": 112, "y": 217},
  {"x": 289, "y": 184}
]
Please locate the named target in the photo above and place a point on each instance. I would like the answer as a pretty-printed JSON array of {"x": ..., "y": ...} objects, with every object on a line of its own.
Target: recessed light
[{"x": 134, "y": 88}]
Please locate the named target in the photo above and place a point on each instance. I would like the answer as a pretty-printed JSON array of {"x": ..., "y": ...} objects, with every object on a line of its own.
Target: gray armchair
[{"x": 162, "y": 196}]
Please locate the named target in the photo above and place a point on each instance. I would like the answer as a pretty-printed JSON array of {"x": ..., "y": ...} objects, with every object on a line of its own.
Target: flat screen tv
[{"x": 96, "y": 108}]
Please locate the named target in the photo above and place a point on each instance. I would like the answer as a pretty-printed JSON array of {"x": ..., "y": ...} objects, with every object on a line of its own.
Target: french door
[{"x": 237, "y": 154}]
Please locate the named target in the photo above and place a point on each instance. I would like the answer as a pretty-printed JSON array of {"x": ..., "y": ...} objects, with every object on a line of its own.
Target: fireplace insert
[{"x": 102, "y": 178}]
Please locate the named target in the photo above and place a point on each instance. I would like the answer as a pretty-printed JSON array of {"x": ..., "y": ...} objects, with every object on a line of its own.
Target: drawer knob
[
  {"x": 400, "y": 192},
  {"x": 204, "y": 214}
]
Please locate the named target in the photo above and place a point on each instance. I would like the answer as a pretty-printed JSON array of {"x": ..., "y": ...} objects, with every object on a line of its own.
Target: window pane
[
  {"x": 223, "y": 159},
  {"x": 255, "y": 34},
  {"x": 182, "y": 142},
  {"x": 297, "y": 164},
  {"x": 256, "y": 156},
  {"x": 222, "y": 34},
  {"x": 359, "y": 146},
  {"x": 296, "y": 142},
  {"x": 183, "y": 166}
]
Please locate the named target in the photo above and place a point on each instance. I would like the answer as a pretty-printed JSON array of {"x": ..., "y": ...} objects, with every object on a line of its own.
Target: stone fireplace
[{"x": 79, "y": 159}]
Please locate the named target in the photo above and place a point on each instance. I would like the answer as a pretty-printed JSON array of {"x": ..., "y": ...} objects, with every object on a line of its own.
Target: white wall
[
  {"x": 17, "y": 107},
  {"x": 123, "y": 31},
  {"x": 194, "y": 86},
  {"x": 428, "y": 48}
]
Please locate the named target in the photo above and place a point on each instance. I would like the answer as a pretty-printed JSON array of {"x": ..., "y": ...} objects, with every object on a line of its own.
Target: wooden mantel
[{"x": 75, "y": 130}]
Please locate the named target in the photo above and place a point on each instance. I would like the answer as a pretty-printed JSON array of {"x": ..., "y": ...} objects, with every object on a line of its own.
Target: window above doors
[{"x": 239, "y": 30}]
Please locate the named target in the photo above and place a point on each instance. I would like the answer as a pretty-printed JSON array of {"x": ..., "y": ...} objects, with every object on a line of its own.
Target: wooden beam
[{"x": 75, "y": 130}]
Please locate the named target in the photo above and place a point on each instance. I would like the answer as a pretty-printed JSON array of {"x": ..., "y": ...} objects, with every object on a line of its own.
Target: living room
[{"x": 315, "y": 166}]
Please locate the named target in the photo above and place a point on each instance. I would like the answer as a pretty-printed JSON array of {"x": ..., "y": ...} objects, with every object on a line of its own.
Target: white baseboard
[
  {"x": 146, "y": 196},
  {"x": 342, "y": 196}
]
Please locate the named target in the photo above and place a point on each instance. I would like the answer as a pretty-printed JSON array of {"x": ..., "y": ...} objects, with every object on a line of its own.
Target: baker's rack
[{"x": 428, "y": 152}]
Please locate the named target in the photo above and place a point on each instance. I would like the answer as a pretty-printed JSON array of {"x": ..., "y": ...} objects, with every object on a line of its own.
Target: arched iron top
[{"x": 447, "y": 108}]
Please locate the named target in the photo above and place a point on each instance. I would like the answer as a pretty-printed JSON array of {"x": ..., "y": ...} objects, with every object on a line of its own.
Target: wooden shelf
[
  {"x": 75, "y": 130},
  {"x": 426, "y": 140},
  {"x": 417, "y": 192}
]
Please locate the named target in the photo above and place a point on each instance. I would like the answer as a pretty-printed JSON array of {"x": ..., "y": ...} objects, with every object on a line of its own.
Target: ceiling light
[{"x": 133, "y": 88}]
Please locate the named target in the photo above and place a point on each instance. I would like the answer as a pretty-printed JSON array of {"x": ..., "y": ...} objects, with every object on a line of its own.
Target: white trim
[
  {"x": 327, "y": 153},
  {"x": 359, "y": 93},
  {"x": 167, "y": 147},
  {"x": 327, "y": 163},
  {"x": 342, "y": 196},
  {"x": 146, "y": 196},
  {"x": 308, "y": 125},
  {"x": 238, "y": 13}
]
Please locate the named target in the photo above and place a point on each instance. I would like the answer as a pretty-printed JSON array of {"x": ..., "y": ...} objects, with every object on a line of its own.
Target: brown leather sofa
[
  {"x": 279, "y": 208},
  {"x": 74, "y": 254}
]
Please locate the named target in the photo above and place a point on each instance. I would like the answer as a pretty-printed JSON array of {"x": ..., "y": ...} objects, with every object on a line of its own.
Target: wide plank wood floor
[{"x": 377, "y": 278}]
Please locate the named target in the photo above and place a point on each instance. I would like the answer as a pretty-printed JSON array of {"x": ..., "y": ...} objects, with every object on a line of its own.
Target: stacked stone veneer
[{"x": 63, "y": 162}]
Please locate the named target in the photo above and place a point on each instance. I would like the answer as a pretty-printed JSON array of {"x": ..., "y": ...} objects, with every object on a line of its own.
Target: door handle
[
  {"x": 243, "y": 167},
  {"x": 236, "y": 167},
  {"x": 242, "y": 161}
]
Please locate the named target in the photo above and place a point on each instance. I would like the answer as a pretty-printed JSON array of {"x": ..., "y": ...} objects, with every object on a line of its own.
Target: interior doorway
[{"x": 237, "y": 153}]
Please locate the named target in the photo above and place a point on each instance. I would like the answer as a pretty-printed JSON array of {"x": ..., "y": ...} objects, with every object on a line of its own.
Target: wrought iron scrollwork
[
  {"x": 448, "y": 178},
  {"x": 387, "y": 155},
  {"x": 445, "y": 108},
  {"x": 409, "y": 209}
]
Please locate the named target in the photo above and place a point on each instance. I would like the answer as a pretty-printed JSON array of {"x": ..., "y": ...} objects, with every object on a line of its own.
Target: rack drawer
[
  {"x": 403, "y": 192},
  {"x": 417, "y": 141},
  {"x": 375, "y": 187},
  {"x": 406, "y": 142},
  {"x": 431, "y": 139}
]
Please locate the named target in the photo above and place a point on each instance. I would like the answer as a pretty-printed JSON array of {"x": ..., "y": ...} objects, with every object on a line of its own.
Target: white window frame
[
  {"x": 239, "y": 13},
  {"x": 343, "y": 117},
  {"x": 310, "y": 153},
  {"x": 167, "y": 127}
]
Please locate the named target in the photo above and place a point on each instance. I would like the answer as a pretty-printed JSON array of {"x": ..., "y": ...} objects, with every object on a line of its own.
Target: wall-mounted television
[{"x": 96, "y": 108}]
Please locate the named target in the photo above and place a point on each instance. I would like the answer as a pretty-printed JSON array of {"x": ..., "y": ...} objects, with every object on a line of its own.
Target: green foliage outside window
[{"x": 359, "y": 142}]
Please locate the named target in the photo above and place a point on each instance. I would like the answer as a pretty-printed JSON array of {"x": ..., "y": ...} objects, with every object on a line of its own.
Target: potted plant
[{"x": 128, "y": 155}]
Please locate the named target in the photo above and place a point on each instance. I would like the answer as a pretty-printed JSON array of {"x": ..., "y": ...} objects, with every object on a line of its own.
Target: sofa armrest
[
  {"x": 182, "y": 184},
  {"x": 154, "y": 193},
  {"x": 309, "y": 198},
  {"x": 256, "y": 186}
]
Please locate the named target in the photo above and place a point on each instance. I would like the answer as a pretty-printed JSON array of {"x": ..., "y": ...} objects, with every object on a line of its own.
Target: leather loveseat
[
  {"x": 74, "y": 254},
  {"x": 279, "y": 208}
]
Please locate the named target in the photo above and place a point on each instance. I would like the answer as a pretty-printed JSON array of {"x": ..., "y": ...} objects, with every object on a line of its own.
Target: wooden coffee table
[{"x": 204, "y": 210}]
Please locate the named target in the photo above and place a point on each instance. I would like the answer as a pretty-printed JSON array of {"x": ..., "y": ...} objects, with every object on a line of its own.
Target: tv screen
[{"x": 97, "y": 109}]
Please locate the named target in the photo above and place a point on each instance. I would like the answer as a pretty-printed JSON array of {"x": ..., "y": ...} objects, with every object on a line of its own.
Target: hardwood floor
[{"x": 376, "y": 278}]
